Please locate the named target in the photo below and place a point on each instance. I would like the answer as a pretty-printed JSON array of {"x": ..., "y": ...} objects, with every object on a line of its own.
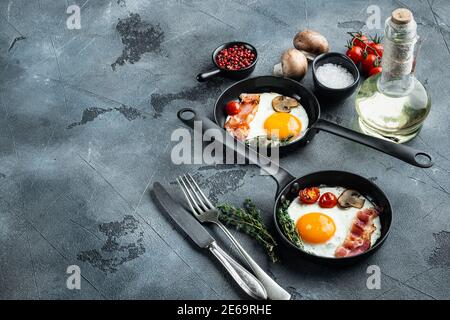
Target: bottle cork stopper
[{"x": 402, "y": 16}]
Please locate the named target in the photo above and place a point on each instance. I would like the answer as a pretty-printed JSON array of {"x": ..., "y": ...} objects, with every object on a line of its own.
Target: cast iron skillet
[
  {"x": 288, "y": 186},
  {"x": 294, "y": 89}
]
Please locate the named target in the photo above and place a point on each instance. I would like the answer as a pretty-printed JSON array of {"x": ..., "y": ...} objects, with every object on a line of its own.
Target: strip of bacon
[
  {"x": 358, "y": 239},
  {"x": 239, "y": 124}
]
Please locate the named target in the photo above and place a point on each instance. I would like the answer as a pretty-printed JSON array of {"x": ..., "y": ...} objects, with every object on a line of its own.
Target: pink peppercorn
[{"x": 235, "y": 57}]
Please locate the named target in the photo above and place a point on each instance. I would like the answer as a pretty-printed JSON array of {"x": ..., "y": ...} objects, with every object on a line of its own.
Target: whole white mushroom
[
  {"x": 311, "y": 43},
  {"x": 293, "y": 64}
]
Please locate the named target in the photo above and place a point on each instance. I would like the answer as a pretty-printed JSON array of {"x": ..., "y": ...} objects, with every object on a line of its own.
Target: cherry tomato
[
  {"x": 356, "y": 54},
  {"x": 375, "y": 70},
  {"x": 360, "y": 40},
  {"x": 369, "y": 62},
  {"x": 232, "y": 108},
  {"x": 328, "y": 200},
  {"x": 375, "y": 48},
  {"x": 309, "y": 195}
]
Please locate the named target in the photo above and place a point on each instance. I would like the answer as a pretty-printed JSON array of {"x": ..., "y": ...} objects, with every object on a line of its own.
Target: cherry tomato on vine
[
  {"x": 375, "y": 70},
  {"x": 375, "y": 48},
  {"x": 328, "y": 200},
  {"x": 356, "y": 54},
  {"x": 360, "y": 40},
  {"x": 370, "y": 61},
  {"x": 233, "y": 108},
  {"x": 309, "y": 195}
]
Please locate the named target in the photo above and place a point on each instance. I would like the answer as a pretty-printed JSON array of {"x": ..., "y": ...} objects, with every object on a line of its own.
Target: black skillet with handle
[
  {"x": 288, "y": 186},
  {"x": 294, "y": 89}
]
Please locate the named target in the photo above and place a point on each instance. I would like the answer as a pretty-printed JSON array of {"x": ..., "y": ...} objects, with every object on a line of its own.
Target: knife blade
[
  {"x": 182, "y": 218},
  {"x": 247, "y": 281}
]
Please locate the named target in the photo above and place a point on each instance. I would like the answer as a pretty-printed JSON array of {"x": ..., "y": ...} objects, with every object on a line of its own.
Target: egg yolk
[
  {"x": 282, "y": 125},
  {"x": 315, "y": 227}
]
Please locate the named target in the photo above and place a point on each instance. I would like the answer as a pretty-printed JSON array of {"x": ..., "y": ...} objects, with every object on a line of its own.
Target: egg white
[
  {"x": 342, "y": 218},
  {"x": 265, "y": 110}
]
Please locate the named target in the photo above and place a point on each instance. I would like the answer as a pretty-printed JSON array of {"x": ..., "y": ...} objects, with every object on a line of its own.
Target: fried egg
[
  {"x": 269, "y": 123},
  {"x": 323, "y": 230}
]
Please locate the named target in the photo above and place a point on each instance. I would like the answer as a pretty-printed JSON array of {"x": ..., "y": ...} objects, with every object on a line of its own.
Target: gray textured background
[{"x": 85, "y": 124}]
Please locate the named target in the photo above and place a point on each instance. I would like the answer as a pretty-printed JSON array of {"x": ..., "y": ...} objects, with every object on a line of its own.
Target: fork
[{"x": 205, "y": 211}]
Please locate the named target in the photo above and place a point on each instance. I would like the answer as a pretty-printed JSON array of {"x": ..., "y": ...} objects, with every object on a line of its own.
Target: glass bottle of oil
[{"x": 393, "y": 104}]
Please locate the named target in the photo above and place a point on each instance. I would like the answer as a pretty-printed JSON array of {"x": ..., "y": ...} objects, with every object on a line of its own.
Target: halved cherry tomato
[
  {"x": 233, "y": 108},
  {"x": 309, "y": 195},
  {"x": 375, "y": 70},
  {"x": 328, "y": 200}
]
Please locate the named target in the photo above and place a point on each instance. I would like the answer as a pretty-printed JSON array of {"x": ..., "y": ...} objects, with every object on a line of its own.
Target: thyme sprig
[
  {"x": 249, "y": 220},
  {"x": 287, "y": 224}
]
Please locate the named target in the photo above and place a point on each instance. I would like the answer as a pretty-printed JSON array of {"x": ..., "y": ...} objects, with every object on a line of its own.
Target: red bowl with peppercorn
[{"x": 234, "y": 60}]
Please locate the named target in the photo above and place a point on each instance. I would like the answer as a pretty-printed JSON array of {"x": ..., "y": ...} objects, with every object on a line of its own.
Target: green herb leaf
[
  {"x": 249, "y": 220},
  {"x": 287, "y": 225}
]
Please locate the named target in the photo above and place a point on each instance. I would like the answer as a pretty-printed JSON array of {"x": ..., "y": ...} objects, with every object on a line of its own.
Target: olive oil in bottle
[{"x": 393, "y": 104}]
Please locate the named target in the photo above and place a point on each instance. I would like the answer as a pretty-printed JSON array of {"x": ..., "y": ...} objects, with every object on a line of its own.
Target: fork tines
[{"x": 198, "y": 202}]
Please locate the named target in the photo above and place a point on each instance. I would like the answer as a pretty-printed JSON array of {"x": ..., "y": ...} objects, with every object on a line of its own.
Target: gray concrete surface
[{"x": 85, "y": 124}]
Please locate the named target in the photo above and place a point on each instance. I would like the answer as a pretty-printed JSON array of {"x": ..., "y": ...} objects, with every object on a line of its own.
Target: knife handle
[
  {"x": 242, "y": 276},
  {"x": 274, "y": 290}
]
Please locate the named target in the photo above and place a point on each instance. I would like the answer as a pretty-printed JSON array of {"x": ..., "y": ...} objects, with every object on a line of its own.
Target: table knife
[{"x": 198, "y": 234}]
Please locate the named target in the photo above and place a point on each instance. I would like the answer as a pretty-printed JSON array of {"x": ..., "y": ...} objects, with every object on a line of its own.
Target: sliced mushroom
[
  {"x": 284, "y": 104},
  {"x": 351, "y": 198}
]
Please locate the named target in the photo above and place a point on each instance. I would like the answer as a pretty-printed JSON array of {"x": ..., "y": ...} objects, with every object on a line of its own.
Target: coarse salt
[{"x": 334, "y": 76}]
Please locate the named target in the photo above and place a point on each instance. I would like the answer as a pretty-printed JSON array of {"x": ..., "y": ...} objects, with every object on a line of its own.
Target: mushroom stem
[
  {"x": 278, "y": 70},
  {"x": 310, "y": 56}
]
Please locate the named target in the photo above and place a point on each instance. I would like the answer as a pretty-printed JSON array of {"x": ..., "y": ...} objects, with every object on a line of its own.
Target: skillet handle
[
  {"x": 410, "y": 155},
  {"x": 202, "y": 77},
  {"x": 281, "y": 175}
]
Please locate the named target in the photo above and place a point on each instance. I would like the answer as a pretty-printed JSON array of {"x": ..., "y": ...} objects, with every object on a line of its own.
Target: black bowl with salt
[{"x": 335, "y": 76}]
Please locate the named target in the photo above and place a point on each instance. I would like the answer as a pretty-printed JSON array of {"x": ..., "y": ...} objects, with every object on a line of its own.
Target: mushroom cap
[
  {"x": 311, "y": 41},
  {"x": 294, "y": 63}
]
